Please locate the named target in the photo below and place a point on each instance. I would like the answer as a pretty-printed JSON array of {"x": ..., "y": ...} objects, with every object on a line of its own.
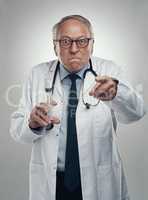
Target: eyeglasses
[{"x": 67, "y": 42}]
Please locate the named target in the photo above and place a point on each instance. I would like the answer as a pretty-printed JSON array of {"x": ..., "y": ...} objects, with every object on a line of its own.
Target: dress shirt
[{"x": 66, "y": 84}]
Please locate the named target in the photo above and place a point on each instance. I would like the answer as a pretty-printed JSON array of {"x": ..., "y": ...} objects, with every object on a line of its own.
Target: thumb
[{"x": 54, "y": 120}]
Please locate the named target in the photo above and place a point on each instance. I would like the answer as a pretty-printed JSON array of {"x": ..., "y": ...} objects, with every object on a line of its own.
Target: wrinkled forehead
[{"x": 73, "y": 28}]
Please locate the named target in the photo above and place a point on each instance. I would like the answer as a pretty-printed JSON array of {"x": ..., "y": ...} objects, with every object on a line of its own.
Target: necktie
[{"x": 72, "y": 168}]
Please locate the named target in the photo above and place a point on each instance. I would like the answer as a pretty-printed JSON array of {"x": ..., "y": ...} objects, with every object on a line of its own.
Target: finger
[
  {"x": 102, "y": 79},
  {"x": 39, "y": 120},
  {"x": 43, "y": 107},
  {"x": 101, "y": 95},
  {"x": 97, "y": 85},
  {"x": 42, "y": 115},
  {"x": 105, "y": 84},
  {"x": 104, "y": 88},
  {"x": 113, "y": 92},
  {"x": 106, "y": 98},
  {"x": 100, "y": 88},
  {"x": 108, "y": 95},
  {"x": 54, "y": 120}
]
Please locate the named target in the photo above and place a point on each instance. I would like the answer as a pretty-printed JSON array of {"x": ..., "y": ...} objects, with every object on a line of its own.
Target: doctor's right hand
[{"x": 39, "y": 116}]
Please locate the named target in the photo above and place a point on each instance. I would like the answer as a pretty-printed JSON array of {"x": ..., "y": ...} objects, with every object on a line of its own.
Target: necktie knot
[{"x": 73, "y": 77}]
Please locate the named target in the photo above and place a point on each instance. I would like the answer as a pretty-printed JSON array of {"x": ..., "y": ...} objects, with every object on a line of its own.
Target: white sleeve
[
  {"x": 128, "y": 104},
  {"x": 19, "y": 128}
]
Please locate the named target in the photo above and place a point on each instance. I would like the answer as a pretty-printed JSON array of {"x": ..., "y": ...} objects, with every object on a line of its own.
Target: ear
[
  {"x": 92, "y": 49},
  {"x": 55, "y": 48}
]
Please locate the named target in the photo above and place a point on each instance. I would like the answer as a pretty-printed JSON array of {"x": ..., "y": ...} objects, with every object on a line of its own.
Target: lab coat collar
[{"x": 64, "y": 72}]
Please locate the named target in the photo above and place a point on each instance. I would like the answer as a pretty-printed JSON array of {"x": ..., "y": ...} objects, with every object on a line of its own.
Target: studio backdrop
[{"x": 121, "y": 35}]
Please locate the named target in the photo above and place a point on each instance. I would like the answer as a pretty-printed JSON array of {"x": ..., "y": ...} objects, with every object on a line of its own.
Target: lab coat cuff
[{"x": 42, "y": 130}]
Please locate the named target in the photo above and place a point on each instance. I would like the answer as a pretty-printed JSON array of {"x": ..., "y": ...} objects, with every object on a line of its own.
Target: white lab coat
[{"x": 102, "y": 173}]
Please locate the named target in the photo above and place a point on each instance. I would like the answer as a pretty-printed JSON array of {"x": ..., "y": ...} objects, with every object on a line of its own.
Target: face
[{"x": 74, "y": 58}]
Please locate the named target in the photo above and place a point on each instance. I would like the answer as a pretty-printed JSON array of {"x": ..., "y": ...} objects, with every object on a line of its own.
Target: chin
[{"x": 74, "y": 66}]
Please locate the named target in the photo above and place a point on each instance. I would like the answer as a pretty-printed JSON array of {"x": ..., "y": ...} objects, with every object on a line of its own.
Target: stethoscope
[{"x": 88, "y": 70}]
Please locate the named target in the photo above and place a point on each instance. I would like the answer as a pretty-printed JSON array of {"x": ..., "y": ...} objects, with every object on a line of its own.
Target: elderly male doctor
[{"x": 69, "y": 115}]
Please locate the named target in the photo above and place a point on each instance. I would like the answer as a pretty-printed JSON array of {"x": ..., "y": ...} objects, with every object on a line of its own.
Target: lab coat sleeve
[
  {"x": 128, "y": 104},
  {"x": 19, "y": 128}
]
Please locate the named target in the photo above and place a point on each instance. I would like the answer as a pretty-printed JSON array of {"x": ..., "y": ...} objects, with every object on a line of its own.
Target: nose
[{"x": 74, "y": 48}]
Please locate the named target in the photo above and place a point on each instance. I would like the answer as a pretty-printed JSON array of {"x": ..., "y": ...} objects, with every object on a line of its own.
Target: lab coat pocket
[
  {"x": 38, "y": 182},
  {"x": 102, "y": 121},
  {"x": 103, "y": 148},
  {"x": 109, "y": 181}
]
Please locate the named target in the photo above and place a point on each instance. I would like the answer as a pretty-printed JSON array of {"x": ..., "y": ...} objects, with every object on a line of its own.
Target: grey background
[{"x": 121, "y": 32}]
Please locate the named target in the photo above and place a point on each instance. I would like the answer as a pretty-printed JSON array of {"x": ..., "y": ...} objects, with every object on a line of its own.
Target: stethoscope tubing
[{"x": 90, "y": 69}]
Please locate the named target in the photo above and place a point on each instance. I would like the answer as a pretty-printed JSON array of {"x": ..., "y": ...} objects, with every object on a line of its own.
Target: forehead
[{"x": 73, "y": 28}]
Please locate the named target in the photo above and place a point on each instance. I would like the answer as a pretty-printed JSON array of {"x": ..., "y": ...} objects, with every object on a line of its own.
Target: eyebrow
[{"x": 82, "y": 36}]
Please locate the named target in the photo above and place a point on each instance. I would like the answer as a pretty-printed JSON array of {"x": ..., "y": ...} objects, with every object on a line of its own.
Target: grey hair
[{"x": 56, "y": 27}]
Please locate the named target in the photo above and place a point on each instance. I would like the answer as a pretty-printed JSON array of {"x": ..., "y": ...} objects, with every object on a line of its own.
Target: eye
[
  {"x": 83, "y": 41},
  {"x": 65, "y": 42}
]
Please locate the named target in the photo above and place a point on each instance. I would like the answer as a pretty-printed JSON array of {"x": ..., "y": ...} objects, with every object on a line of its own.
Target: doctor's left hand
[{"x": 105, "y": 88}]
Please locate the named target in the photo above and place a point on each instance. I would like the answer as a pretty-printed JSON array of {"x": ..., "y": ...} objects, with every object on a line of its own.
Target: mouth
[{"x": 74, "y": 59}]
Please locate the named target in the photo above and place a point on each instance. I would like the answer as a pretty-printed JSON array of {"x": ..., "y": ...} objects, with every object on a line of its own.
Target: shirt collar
[{"x": 64, "y": 72}]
